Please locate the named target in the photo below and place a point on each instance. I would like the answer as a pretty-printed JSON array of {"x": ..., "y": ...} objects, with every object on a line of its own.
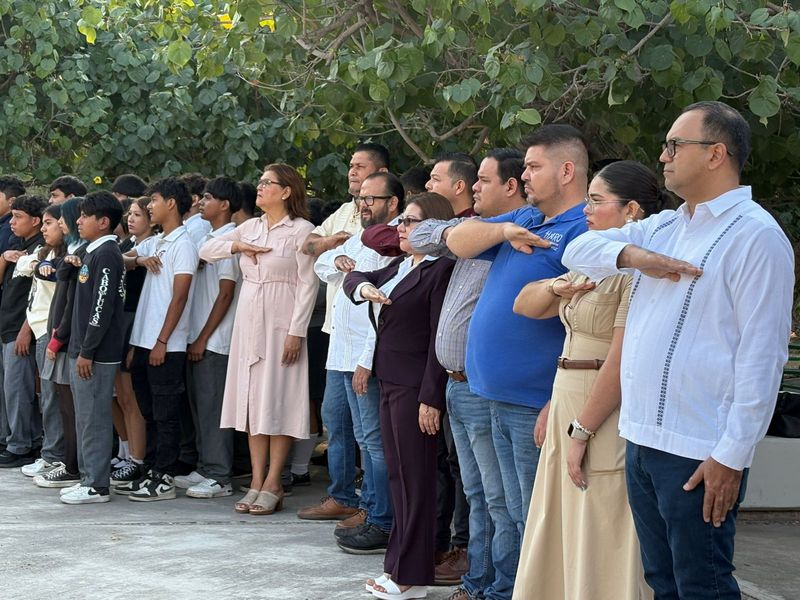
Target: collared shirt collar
[
  {"x": 721, "y": 203},
  {"x": 99, "y": 241},
  {"x": 287, "y": 221},
  {"x": 571, "y": 214},
  {"x": 174, "y": 234},
  {"x": 221, "y": 230}
]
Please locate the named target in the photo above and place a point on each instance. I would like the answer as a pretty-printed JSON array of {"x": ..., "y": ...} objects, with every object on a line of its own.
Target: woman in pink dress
[{"x": 266, "y": 389}]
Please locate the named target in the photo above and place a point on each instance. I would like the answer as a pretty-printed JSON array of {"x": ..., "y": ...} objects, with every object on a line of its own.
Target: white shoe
[
  {"x": 69, "y": 489},
  {"x": 186, "y": 481},
  {"x": 209, "y": 488},
  {"x": 39, "y": 467},
  {"x": 85, "y": 495}
]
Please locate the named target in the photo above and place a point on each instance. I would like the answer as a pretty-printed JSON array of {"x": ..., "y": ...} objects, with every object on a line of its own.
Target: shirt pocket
[
  {"x": 594, "y": 314},
  {"x": 284, "y": 248}
]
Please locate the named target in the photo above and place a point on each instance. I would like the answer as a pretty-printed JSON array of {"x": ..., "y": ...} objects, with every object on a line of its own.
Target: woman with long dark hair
[
  {"x": 59, "y": 322},
  {"x": 266, "y": 388},
  {"x": 580, "y": 540}
]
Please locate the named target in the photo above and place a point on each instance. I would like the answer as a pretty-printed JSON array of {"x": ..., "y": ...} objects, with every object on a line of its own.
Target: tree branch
[
  {"x": 408, "y": 19},
  {"x": 406, "y": 138},
  {"x": 662, "y": 23},
  {"x": 479, "y": 141}
]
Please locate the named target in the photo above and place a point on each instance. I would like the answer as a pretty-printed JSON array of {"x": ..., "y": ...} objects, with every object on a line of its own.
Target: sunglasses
[{"x": 408, "y": 221}]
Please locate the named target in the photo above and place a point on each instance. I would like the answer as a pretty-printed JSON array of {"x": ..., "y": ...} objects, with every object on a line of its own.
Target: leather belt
[
  {"x": 457, "y": 376},
  {"x": 568, "y": 363}
]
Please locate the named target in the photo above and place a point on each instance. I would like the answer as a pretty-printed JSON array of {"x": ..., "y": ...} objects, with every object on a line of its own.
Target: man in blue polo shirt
[{"x": 511, "y": 360}]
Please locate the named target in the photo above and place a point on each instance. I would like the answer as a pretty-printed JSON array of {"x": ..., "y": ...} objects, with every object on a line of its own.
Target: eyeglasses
[
  {"x": 408, "y": 221},
  {"x": 671, "y": 145},
  {"x": 592, "y": 204},
  {"x": 265, "y": 182},
  {"x": 370, "y": 200}
]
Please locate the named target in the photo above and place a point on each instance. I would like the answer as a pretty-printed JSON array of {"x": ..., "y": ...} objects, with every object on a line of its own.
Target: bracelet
[
  {"x": 552, "y": 283},
  {"x": 159, "y": 340},
  {"x": 580, "y": 427}
]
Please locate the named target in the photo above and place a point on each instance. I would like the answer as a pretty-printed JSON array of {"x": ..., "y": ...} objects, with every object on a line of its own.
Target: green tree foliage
[{"x": 171, "y": 85}]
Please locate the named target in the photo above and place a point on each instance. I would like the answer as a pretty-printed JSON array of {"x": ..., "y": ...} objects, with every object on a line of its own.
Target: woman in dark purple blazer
[{"x": 407, "y": 297}]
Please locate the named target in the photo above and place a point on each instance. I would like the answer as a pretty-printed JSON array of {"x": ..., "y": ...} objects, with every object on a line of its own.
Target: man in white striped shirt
[{"x": 705, "y": 343}]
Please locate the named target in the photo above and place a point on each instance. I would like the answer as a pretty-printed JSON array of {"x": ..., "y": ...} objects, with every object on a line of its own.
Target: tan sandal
[
  {"x": 243, "y": 505},
  {"x": 266, "y": 503}
]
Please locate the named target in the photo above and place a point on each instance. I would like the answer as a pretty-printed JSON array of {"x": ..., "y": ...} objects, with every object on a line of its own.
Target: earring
[{"x": 629, "y": 219}]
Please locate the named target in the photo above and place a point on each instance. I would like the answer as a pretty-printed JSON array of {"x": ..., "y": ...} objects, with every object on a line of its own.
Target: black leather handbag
[{"x": 786, "y": 420}]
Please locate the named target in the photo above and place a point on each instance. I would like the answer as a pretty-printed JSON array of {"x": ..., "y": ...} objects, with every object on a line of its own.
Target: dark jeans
[
  {"x": 684, "y": 557},
  {"x": 159, "y": 393},
  {"x": 451, "y": 503}
]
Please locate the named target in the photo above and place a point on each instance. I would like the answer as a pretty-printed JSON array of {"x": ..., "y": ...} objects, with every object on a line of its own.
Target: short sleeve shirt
[
  {"x": 511, "y": 358},
  {"x": 206, "y": 290},
  {"x": 178, "y": 257}
]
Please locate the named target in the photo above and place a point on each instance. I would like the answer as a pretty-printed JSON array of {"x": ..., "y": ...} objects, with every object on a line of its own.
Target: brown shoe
[
  {"x": 350, "y": 522},
  {"x": 454, "y": 566},
  {"x": 327, "y": 510}
]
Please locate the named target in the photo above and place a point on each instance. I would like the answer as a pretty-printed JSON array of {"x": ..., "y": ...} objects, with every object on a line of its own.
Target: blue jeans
[
  {"x": 494, "y": 541},
  {"x": 683, "y": 556},
  {"x": 512, "y": 433},
  {"x": 365, "y": 412},
  {"x": 341, "y": 440}
]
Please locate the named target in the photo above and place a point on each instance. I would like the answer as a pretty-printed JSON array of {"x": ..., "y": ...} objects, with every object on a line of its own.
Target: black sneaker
[
  {"x": 301, "y": 480},
  {"x": 57, "y": 478},
  {"x": 346, "y": 532},
  {"x": 370, "y": 540},
  {"x": 159, "y": 487},
  {"x": 130, "y": 472},
  {"x": 128, "y": 487},
  {"x": 10, "y": 460}
]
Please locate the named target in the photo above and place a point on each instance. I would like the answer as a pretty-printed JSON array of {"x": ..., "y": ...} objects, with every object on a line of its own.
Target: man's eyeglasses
[
  {"x": 671, "y": 146},
  {"x": 592, "y": 204},
  {"x": 370, "y": 200},
  {"x": 407, "y": 221},
  {"x": 266, "y": 181}
]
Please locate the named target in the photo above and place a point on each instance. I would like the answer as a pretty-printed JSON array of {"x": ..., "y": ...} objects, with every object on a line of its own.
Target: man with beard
[{"x": 349, "y": 367}]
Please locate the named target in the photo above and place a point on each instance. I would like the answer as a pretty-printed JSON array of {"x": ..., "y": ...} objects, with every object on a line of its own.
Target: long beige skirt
[{"x": 580, "y": 545}]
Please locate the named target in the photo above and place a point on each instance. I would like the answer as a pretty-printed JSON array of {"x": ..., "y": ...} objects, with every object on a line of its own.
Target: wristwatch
[{"x": 579, "y": 432}]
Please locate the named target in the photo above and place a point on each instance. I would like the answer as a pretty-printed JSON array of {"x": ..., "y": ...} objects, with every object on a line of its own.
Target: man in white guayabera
[{"x": 705, "y": 343}]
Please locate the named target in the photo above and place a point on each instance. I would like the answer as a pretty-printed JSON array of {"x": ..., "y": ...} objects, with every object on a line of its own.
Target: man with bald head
[
  {"x": 511, "y": 360},
  {"x": 705, "y": 344}
]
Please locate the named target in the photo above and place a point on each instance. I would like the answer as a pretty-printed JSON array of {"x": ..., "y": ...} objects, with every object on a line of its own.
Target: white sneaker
[
  {"x": 85, "y": 495},
  {"x": 39, "y": 467},
  {"x": 210, "y": 488},
  {"x": 186, "y": 481},
  {"x": 69, "y": 489}
]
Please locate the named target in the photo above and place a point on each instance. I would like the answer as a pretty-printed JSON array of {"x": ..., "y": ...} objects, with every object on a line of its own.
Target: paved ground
[{"x": 198, "y": 549}]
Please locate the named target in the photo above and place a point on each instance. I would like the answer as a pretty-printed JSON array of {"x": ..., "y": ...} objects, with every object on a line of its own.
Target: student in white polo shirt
[
  {"x": 160, "y": 335},
  {"x": 216, "y": 289}
]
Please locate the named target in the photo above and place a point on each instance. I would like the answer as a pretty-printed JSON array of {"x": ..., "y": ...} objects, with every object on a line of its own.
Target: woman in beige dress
[
  {"x": 580, "y": 542},
  {"x": 266, "y": 388}
]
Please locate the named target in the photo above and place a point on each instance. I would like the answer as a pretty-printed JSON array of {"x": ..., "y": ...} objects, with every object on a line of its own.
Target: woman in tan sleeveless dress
[{"x": 580, "y": 542}]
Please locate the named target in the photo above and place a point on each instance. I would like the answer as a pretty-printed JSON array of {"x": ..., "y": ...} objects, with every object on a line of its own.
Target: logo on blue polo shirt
[{"x": 554, "y": 238}]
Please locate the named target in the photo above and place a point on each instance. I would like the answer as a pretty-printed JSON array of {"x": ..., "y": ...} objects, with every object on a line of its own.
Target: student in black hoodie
[
  {"x": 95, "y": 344},
  {"x": 19, "y": 356}
]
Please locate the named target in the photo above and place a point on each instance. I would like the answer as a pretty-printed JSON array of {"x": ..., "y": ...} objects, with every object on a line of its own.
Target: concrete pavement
[{"x": 200, "y": 549}]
